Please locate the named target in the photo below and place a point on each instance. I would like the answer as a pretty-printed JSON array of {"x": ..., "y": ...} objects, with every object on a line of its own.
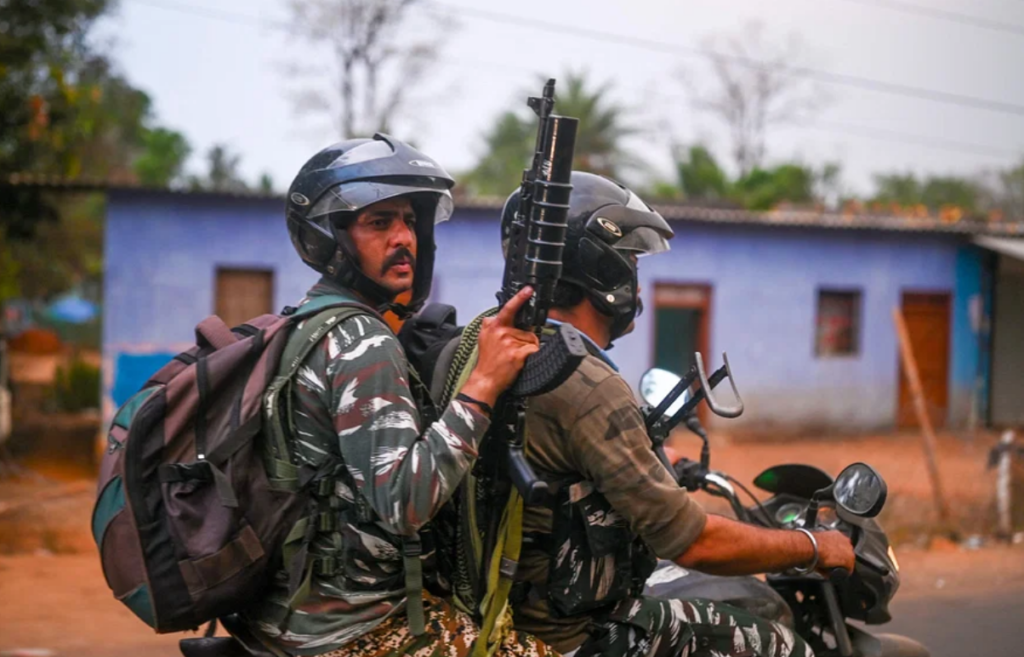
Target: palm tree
[
  {"x": 599, "y": 142},
  {"x": 599, "y": 147}
]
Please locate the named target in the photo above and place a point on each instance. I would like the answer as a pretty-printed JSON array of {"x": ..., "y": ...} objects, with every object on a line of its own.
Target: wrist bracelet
[
  {"x": 814, "y": 562},
  {"x": 462, "y": 397}
]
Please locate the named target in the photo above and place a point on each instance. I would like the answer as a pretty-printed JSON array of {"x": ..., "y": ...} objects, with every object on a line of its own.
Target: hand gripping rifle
[{"x": 534, "y": 258}]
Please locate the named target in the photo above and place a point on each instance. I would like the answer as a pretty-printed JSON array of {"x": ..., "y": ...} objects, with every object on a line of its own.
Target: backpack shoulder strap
[
  {"x": 317, "y": 317},
  {"x": 298, "y": 346},
  {"x": 327, "y": 313}
]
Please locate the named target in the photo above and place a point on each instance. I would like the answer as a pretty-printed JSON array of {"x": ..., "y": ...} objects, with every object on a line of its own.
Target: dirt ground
[
  {"x": 60, "y": 603},
  {"x": 909, "y": 515},
  {"x": 53, "y": 595}
]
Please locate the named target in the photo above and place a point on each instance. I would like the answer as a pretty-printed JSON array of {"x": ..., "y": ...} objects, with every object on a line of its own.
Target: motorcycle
[{"x": 816, "y": 607}]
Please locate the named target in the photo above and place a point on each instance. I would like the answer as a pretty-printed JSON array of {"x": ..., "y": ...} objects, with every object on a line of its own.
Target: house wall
[
  {"x": 163, "y": 251},
  {"x": 764, "y": 293},
  {"x": 1008, "y": 345}
]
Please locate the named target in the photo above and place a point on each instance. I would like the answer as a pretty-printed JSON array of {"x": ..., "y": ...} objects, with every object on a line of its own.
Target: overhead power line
[
  {"x": 217, "y": 14},
  {"x": 825, "y": 126},
  {"x": 882, "y": 134},
  {"x": 829, "y": 77},
  {"x": 944, "y": 14}
]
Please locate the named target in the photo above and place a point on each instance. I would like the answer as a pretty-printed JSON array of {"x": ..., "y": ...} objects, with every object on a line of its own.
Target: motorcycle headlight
[{"x": 892, "y": 558}]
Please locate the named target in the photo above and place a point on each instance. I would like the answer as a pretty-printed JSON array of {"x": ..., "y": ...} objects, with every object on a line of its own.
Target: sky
[{"x": 218, "y": 73}]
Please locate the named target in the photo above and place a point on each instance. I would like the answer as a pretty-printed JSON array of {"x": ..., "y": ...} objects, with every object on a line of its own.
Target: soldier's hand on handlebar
[{"x": 834, "y": 551}]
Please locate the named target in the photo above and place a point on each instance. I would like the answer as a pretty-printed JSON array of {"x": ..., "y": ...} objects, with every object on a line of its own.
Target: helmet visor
[
  {"x": 642, "y": 241},
  {"x": 640, "y": 231},
  {"x": 357, "y": 196}
]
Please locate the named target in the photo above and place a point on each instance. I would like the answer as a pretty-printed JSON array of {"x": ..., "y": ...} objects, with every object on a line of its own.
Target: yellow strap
[
  {"x": 497, "y": 619},
  {"x": 496, "y": 614}
]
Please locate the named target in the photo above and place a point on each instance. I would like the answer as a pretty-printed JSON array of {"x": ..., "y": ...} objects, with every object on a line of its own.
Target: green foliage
[
  {"x": 509, "y": 143},
  {"x": 164, "y": 154},
  {"x": 663, "y": 190},
  {"x": 933, "y": 192},
  {"x": 77, "y": 387},
  {"x": 222, "y": 172},
  {"x": 64, "y": 253},
  {"x": 508, "y": 146},
  {"x": 64, "y": 109},
  {"x": 700, "y": 177},
  {"x": 1007, "y": 194},
  {"x": 603, "y": 127},
  {"x": 763, "y": 189},
  {"x": 266, "y": 183},
  {"x": 9, "y": 269}
]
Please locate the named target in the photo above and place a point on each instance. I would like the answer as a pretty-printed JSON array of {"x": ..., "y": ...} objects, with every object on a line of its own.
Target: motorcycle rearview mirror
[
  {"x": 656, "y": 384},
  {"x": 725, "y": 372},
  {"x": 860, "y": 490}
]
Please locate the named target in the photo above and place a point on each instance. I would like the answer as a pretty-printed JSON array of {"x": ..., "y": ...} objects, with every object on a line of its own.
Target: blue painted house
[{"x": 802, "y": 302}]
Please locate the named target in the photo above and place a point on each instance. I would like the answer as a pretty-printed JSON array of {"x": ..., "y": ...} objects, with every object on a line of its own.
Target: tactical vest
[
  {"x": 594, "y": 558},
  {"x": 480, "y": 531}
]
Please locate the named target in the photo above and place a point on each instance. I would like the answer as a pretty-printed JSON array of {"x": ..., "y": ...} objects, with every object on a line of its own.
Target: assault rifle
[{"x": 534, "y": 258}]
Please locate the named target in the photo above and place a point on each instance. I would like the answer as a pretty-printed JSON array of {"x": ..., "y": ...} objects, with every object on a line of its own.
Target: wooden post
[{"x": 914, "y": 379}]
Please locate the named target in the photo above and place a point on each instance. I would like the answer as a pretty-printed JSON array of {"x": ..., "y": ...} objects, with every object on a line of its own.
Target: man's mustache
[{"x": 398, "y": 256}]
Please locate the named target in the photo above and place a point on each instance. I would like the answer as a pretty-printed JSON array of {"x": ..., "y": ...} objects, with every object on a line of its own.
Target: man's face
[{"x": 384, "y": 236}]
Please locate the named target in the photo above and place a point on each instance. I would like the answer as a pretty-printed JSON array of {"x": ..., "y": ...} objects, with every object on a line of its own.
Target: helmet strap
[{"x": 344, "y": 269}]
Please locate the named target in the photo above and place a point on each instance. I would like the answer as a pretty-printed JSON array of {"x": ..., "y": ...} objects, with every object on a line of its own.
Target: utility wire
[
  {"x": 216, "y": 14},
  {"x": 825, "y": 126},
  {"x": 828, "y": 77},
  {"x": 944, "y": 14},
  {"x": 882, "y": 134}
]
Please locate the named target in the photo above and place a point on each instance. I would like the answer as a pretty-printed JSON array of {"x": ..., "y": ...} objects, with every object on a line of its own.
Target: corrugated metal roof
[
  {"x": 1011, "y": 247},
  {"x": 682, "y": 212},
  {"x": 839, "y": 221},
  {"x": 87, "y": 184}
]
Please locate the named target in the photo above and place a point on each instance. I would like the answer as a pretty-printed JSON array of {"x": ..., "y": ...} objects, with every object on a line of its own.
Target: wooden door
[
  {"x": 242, "y": 294},
  {"x": 681, "y": 320},
  {"x": 927, "y": 318}
]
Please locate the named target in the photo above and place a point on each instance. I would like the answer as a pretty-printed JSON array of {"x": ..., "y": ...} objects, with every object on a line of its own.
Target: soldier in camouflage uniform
[
  {"x": 588, "y": 552},
  {"x": 362, "y": 213}
]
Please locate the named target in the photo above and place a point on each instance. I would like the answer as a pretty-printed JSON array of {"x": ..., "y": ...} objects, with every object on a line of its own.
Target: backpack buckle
[
  {"x": 325, "y": 566},
  {"x": 327, "y": 522},
  {"x": 507, "y": 567},
  {"x": 412, "y": 547}
]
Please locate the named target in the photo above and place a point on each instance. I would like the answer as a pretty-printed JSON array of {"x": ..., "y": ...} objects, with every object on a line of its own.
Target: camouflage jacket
[
  {"x": 352, "y": 402},
  {"x": 617, "y": 507}
]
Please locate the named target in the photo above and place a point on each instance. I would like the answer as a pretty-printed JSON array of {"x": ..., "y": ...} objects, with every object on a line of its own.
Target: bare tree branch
[
  {"x": 751, "y": 99},
  {"x": 374, "y": 62}
]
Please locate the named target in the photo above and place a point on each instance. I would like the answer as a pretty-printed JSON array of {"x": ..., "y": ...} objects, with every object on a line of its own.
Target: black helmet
[
  {"x": 607, "y": 223},
  {"x": 338, "y": 182}
]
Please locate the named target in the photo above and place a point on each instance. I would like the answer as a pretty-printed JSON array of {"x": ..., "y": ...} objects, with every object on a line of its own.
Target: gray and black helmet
[
  {"x": 338, "y": 182},
  {"x": 607, "y": 223}
]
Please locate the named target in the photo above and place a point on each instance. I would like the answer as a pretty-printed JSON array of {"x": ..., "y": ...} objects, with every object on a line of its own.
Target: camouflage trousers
[
  {"x": 655, "y": 627},
  {"x": 450, "y": 633}
]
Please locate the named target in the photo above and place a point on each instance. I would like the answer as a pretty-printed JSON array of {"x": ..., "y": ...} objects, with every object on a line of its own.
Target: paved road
[{"x": 983, "y": 624}]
